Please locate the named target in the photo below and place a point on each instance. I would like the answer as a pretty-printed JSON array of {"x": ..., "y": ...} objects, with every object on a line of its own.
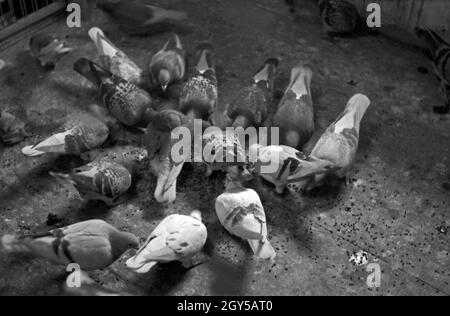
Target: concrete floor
[{"x": 396, "y": 210}]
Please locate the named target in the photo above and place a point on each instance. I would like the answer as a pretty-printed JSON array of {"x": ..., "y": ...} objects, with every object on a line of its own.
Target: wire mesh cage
[{"x": 16, "y": 15}]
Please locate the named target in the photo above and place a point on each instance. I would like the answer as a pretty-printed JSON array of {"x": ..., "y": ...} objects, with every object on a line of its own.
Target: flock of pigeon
[{"x": 126, "y": 92}]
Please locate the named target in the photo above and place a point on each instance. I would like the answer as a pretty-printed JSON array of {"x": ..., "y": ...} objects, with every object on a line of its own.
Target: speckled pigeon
[
  {"x": 252, "y": 104},
  {"x": 125, "y": 101},
  {"x": 339, "y": 143},
  {"x": 114, "y": 59},
  {"x": 222, "y": 151},
  {"x": 168, "y": 65},
  {"x": 108, "y": 178},
  {"x": 295, "y": 114},
  {"x": 199, "y": 96}
]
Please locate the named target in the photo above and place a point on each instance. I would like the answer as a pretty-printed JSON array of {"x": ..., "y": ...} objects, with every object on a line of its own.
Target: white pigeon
[
  {"x": 283, "y": 165},
  {"x": 114, "y": 59},
  {"x": 177, "y": 238},
  {"x": 242, "y": 214},
  {"x": 339, "y": 143}
]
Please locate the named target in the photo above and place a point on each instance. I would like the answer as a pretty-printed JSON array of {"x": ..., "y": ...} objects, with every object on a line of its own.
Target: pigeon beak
[{"x": 164, "y": 88}]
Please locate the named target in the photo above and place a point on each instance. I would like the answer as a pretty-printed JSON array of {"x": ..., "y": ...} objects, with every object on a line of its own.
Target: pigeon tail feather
[
  {"x": 11, "y": 243},
  {"x": 104, "y": 46},
  {"x": 262, "y": 249},
  {"x": 268, "y": 71},
  {"x": 205, "y": 58},
  {"x": 140, "y": 266}
]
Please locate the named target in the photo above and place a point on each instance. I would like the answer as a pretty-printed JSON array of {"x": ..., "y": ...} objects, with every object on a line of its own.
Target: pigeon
[
  {"x": 12, "y": 124},
  {"x": 241, "y": 213},
  {"x": 439, "y": 52},
  {"x": 222, "y": 151},
  {"x": 48, "y": 50},
  {"x": 199, "y": 95},
  {"x": 108, "y": 178},
  {"x": 252, "y": 105},
  {"x": 158, "y": 140},
  {"x": 340, "y": 17},
  {"x": 339, "y": 143},
  {"x": 92, "y": 245},
  {"x": 136, "y": 17},
  {"x": 290, "y": 166},
  {"x": 176, "y": 238},
  {"x": 88, "y": 287},
  {"x": 168, "y": 66},
  {"x": 295, "y": 114},
  {"x": 115, "y": 60},
  {"x": 79, "y": 134},
  {"x": 124, "y": 100}
]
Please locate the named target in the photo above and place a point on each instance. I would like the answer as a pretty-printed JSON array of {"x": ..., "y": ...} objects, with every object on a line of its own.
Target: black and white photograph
[{"x": 224, "y": 153}]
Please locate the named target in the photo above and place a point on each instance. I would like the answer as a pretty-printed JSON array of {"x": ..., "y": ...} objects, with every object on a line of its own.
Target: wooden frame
[{"x": 8, "y": 34}]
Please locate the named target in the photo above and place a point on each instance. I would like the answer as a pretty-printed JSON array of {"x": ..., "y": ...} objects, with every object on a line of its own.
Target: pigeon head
[
  {"x": 164, "y": 78},
  {"x": 123, "y": 241},
  {"x": 167, "y": 120},
  {"x": 158, "y": 133},
  {"x": 239, "y": 173}
]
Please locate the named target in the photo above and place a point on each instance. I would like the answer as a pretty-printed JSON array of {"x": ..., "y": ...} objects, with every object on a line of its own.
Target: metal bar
[{"x": 31, "y": 19}]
